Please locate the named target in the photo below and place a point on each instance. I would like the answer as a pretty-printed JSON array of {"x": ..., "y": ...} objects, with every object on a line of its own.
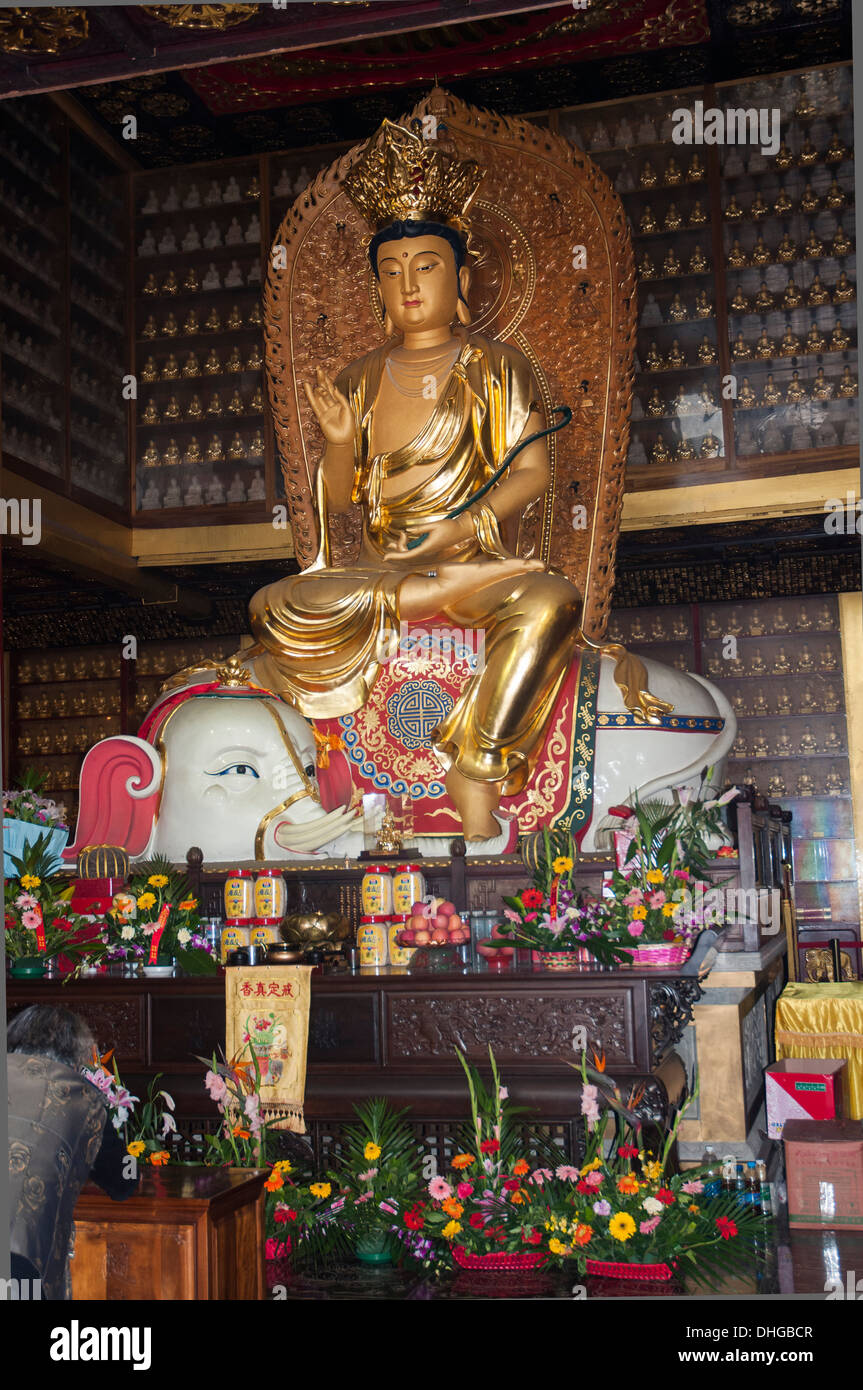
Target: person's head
[
  {"x": 422, "y": 272},
  {"x": 44, "y": 1030}
]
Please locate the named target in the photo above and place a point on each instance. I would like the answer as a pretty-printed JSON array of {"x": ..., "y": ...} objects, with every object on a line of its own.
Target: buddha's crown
[{"x": 400, "y": 177}]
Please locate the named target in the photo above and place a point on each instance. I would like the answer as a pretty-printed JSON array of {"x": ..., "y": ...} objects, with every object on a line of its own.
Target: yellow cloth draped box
[
  {"x": 825, "y": 1021},
  {"x": 267, "y": 1007}
]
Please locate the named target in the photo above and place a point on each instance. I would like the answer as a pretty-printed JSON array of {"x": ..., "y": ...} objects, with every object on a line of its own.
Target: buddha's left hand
[{"x": 442, "y": 536}]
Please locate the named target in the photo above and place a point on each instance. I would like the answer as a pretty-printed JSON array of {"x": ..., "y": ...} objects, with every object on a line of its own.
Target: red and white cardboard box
[{"x": 801, "y": 1088}]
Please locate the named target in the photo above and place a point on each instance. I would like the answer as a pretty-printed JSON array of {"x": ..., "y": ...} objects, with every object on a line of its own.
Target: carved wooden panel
[
  {"x": 528, "y": 1027},
  {"x": 186, "y": 1027},
  {"x": 343, "y": 1029},
  {"x": 118, "y": 1022}
]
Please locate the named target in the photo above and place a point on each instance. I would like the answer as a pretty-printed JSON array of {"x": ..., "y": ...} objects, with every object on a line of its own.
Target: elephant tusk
[{"x": 312, "y": 834}]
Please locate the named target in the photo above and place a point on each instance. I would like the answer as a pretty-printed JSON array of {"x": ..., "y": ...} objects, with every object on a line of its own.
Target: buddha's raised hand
[{"x": 332, "y": 411}]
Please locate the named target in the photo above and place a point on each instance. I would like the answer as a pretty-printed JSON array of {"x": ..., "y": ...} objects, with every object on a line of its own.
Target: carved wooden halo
[
  {"x": 577, "y": 328},
  {"x": 502, "y": 279}
]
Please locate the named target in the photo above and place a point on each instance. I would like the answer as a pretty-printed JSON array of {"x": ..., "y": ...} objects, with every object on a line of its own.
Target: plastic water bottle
[
  {"x": 765, "y": 1188},
  {"x": 753, "y": 1192},
  {"x": 712, "y": 1178}
]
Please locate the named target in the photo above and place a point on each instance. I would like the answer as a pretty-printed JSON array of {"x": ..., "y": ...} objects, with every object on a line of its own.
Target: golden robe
[{"x": 324, "y": 633}]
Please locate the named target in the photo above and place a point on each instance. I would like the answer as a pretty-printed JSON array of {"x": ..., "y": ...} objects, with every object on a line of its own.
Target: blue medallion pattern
[{"x": 414, "y": 710}]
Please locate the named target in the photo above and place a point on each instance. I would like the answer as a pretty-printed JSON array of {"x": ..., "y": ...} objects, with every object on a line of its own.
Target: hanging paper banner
[
  {"x": 40, "y": 930},
  {"x": 161, "y": 923},
  {"x": 267, "y": 1015}
]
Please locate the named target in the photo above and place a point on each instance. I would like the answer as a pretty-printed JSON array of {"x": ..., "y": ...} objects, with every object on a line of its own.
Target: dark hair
[
  {"x": 43, "y": 1030},
  {"x": 396, "y": 230}
]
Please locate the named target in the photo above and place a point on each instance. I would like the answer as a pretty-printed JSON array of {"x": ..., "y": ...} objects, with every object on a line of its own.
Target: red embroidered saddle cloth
[{"x": 387, "y": 742}]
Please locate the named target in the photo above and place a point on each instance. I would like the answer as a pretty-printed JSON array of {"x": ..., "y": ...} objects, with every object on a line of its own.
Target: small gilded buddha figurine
[
  {"x": 149, "y": 371},
  {"x": 255, "y": 360},
  {"x": 839, "y": 339},
  {"x": 746, "y": 397},
  {"x": 783, "y": 742},
  {"x": 737, "y": 256},
  {"x": 835, "y": 198},
  {"x": 213, "y": 321},
  {"x": 677, "y": 310},
  {"x": 193, "y": 451},
  {"x": 818, "y": 293},
  {"x": 706, "y": 399},
  {"x": 836, "y": 152},
  {"x": 847, "y": 384},
  {"x": 170, "y": 328},
  {"x": 733, "y": 212},
  {"x": 760, "y": 748},
  {"x": 832, "y": 740},
  {"x": 172, "y": 409},
  {"x": 756, "y": 626},
  {"x": 659, "y": 453},
  {"x": 696, "y": 172},
  {"x": 194, "y": 409},
  {"x": 169, "y": 284},
  {"x": 830, "y": 700},
  {"x": 809, "y": 200},
  {"x": 812, "y": 246},
  {"x": 697, "y": 262},
  {"x": 815, "y": 340},
  {"x": 255, "y": 318},
  {"x": 808, "y": 702},
  {"x": 675, "y": 359},
  {"x": 150, "y": 456},
  {"x": 703, "y": 305},
  {"x": 792, "y": 297},
  {"x": 697, "y": 215},
  {"x": 786, "y": 250},
  {"x": 739, "y": 748},
  {"x": 191, "y": 325},
  {"x": 673, "y": 173},
  {"x": 740, "y": 304},
  {"x": 805, "y": 659},
  {"x": 784, "y": 158},
  {"x": 759, "y": 703},
  {"x": 647, "y": 178},
  {"x": 706, "y": 352},
  {"x": 684, "y": 451},
  {"x": 191, "y": 366},
  {"x": 256, "y": 402},
  {"x": 783, "y": 204},
  {"x": 214, "y": 452},
  {"x": 764, "y": 300},
  {"x": 671, "y": 263},
  {"x": 149, "y": 330},
  {"x": 150, "y": 285},
  {"x": 805, "y": 785},
  {"x": 679, "y": 628},
  {"x": 808, "y": 154},
  {"x": 784, "y": 703},
  {"x": 171, "y": 369},
  {"x": 171, "y": 456},
  {"x": 828, "y": 660},
  {"x": 840, "y": 245},
  {"x": 655, "y": 406},
  {"x": 761, "y": 253},
  {"x": 765, "y": 347},
  {"x": 191, "y": 282},
  {"x": 824, "y": 619},
  {"x": 740, "y": 349},
  {"x": 845, "y": 289},
  {"x": 822, "y": 388},
  {"x": 646, "y": 268},
  {"x": 680, "y": 404},
  {"x": 776, "y": 784},
  {"x": 236, "y": 448},
  {"x": 758, "y": 208},
  {"x": 710, "y": 446},
  {"x": 781, "y": 664},
  {"x": 803, "y": 622},
  {"x": 256, "y": 449},
  {"x": 151, "y": 414},
  {"x": 673, "y": 220},
  {"x": 214, "y": 408},
  {"x": 757, "y": 664},
  {"x": 234, "y": 362},
  {"x": 834, "y": 782},
  {"x": 654, "y": 361},
  {"x": 235, "y": 404},
  {"x": 795, "y": 392},
  {"x": 790, "y": 343},
  {"x": 647, "y": 222}
]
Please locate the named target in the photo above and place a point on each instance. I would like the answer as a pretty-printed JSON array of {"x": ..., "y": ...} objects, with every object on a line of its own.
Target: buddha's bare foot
[
  {"x": 474, "y": 802},
  {"x": 422, "y": 596}
]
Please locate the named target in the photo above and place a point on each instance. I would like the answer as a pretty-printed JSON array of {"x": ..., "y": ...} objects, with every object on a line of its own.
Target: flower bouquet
[
  {"x": 659, "y": 902},
  {"x": 244, "y": 1138},
  {"x": 624, "y": 1214},
  {"x": 27, "y": 815},
  {"x": 146, "y": 1131},
  {"x": 157, "y": 921},
  {"x": 568, "y": 928},
  {"x": 38, "y": 921}
]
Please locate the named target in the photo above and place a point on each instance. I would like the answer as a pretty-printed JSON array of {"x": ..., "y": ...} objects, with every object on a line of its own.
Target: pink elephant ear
[
  {"x": 335, "y": 782},
  {"x": 120, "y": 786}
]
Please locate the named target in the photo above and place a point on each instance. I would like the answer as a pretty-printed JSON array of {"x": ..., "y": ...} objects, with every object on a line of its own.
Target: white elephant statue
[{"x": 237, "y": 772}]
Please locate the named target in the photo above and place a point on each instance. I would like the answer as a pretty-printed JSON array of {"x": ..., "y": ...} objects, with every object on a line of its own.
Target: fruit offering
[{"x": 434, "y": 922}]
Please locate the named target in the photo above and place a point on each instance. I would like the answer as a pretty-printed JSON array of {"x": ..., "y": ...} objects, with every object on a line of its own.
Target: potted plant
[
  {"x": 39, "y": 923},
  {"x": 157, "y": 921},
  {"x": 27, "y": 816},
  {"x": 659, "y": 900},
  {"x": 568, "y": 928}
]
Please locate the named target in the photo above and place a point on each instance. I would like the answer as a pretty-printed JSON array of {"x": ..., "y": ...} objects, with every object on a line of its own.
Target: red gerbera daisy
[{"x": 727, "y": 1228}]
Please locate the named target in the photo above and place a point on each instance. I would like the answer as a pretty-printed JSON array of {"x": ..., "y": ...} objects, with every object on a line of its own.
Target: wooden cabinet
[{"x": 191, "y": 1233}]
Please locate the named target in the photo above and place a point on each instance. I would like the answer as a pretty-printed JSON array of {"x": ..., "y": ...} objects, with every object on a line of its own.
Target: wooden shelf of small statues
[
  {"x": 156, "y": 663},
  {"x": 63, "y": 704},
  {"x": 664, "y": 633}
]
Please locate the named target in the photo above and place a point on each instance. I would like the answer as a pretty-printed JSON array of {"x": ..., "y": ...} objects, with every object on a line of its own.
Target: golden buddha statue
[
  {"x": 739, "y": 304},
  {"x": 660, "y": 453},
  {"x": 236, "y": 448},
  {"x": 790, "y": 343},
  {"x": 813, "y": 247},
  {"x": 822, "y": 388},
  {"x": 786, "y": 250},
  {"x": 784, "y": 158},
  {"x": 703, "y": 305},
  {"x": 845, "y": 289},
  {"x": 256, "y": 402},
  {"x": 150, "y": 456},
  {"x": 673, "y": 173},
  {"x": 409, "y": 457},
  {"x": 758, "y": 208},
  {"x": 815, "y": 340},
  {"x": 255, "y": 318},
  {"x": 190, "y": 324},
  {"x": 675, "y": 358},
  {"x": 170, "y": 328},
  {"x": 697, "y": 215},
  {"x": 684, "y": 451},
  {"x": 171, "y": 369},
  {"x": 212, "y": 366},
  {"x": 255, "y": 359},
  {"x": 191, "y": 282},
  {"x": 847, "y": 383},
  {"x": 696, "y": 172},
  {"x": 765, "y": 348},
  {"x": 212, "y": 323},
  {"x": 740, "y": 349},
  {"x": 191, "y": 366},
  {"x": 193, "y": 451},
  {"x": 836, "y": 197},
  {"x": 150, "y": 286},
  {"x": 151, "y": 415},
  {"x": 194, "y": 409},
  {"x": 172, "y": 409},
  {"x": 808, "y": 154},
  {"x": 214, "y": 452},
  {"x": 706, "y": 352},
  {"x": 746, "y": 397},
  {"x": 836, "y": 152},
  {"x": 783, "y": 204},
  {"x": 697, "y": 262},
  {"x": 733, "y": 211},
  {"x": 737, "y": 256},
  {"x": 646, "y": 268},
  {"x": 171, "y": 456},
  {"x": 841, "y": 244},
  {"x": 677, "y": 310},
  {"x": 235, "y": 404},
  {"x": 149, "y": 330},
  {"x": 710, "y": 446},
  {"x": 809, "y": 200},
  {"x": 818, "y": 293},
  {"x": 706, "y": 398},
  {"x": 234, "y": 362},
  {"x": 235, "y": 318},
  {"x": 671, "y": 262},
  {"x": 647, "y": 222},
  {"x": 655, "y": 405},
  {"x": 764, "y": 300},
  {"x": 215, "y": 408},
  {"x": 796, "y": 392},
  {"x": 761, "y": 253},
  {"x": 680, "y": 404},
  {"x": 791, "y": 295},
  {"x": 149, "y": 371},
  {"x": 654, "y": 361},
  {"x": 839, "y": 340}
]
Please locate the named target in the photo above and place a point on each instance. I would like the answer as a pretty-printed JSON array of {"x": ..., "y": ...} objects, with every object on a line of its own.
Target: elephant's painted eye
[
  {"x": 309, "y": 769},
  {"x": 242, "y": 770}
]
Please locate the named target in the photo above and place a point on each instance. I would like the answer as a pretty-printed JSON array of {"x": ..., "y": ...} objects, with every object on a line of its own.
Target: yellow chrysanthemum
[
  {"x": 284, "y": 1166},
  {"x": 372, "y": 1151},
  {"x": 451, "y": 1230},
  {"x": 158, "y": 880},
  {"x": 320, "y": 1189},
  {"x": 589, "y": 1167},
  {"x": 136, "y": 1148},
  {"x": 146, "y": 900},
  {"x": 30, "y": 881},
  {"x": 668, "y": 909},
  {"x": 653, "y": 1171},
  {"x": 562, "y": 864},
  {"x": 639, "y": 912},
  {"x": 621, "y": 1226},
  {"x": 556, "y": 1246},
  {"x": 655, "y": 876}
]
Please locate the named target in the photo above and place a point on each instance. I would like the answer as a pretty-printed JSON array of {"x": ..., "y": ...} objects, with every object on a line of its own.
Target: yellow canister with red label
[
  {"x": 264, "y": 931},
  {"x": 399, "y": 955},
  {"x": 234, "y": 935},
  {"x": 373, "y": 940},
  {"x": 270, "y": 895},
  {"x": 239, "y": 895},
  {"x": 376, "y": 891},
  {"x": 409, "y": 887}
]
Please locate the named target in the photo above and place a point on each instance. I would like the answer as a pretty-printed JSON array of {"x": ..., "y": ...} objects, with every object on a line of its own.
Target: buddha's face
[{"x": 419, "y": 283}]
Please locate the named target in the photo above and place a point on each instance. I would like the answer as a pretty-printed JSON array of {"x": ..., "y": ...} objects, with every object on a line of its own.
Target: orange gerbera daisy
[
  {"x": 581, "y": 1235},
  {"x": 240, "y": 1133},
  {"x": 463, "y": 1161},
  {"x": 627, "y": 1183},
  {"x": 160, "y": 1157},
  {"x": 517, "y": 1198},
  {"x": 274, "y": 1181},
  {"x": 452, "y": 1208},
  {"x": 521, "y": 1167}
]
